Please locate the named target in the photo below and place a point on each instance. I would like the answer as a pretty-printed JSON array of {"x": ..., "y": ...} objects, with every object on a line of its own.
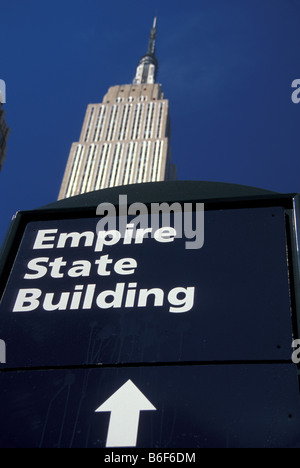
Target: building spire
[
  {"x": 148, "y": 65},
  {"x": 152, "y": 38}
]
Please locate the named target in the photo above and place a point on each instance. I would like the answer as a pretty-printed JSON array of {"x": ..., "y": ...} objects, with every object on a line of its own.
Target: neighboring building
[
  {"x": 4, "y": 133},
  {"x": 126, "y": 138}
]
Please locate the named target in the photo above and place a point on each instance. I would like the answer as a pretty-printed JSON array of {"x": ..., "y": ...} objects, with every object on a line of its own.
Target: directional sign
[
  {"x": 125, "y": 406},
  {"x": 74, "y": 297},
  {"x": 251, "y": 406},
  {"x": 112, "y": 340}
]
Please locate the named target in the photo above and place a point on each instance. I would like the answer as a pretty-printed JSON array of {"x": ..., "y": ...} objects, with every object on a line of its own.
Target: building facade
[
  {"x": 4, "y": 133},
  {"x": 126, "y": 138}
]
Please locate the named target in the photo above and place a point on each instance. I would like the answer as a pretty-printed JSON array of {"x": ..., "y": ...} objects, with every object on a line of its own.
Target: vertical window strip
[
  {"x": 126, "y": 165},
  {"x": 160, "y": 153},
  {"x": 99, "y": 123},
  {"x": 118, "y": 167},
  {"x": 137, "y": 133},
  {"x": 122, "y": 122},
  {"x": 154, "y": 159},
  {"x": 109, "y": 123},
  {"x": 101, "y": 166},
  {"x": 89, "y": 124},
  {"x": 85, "y": 170},
  {"x": 150, "y": 130},
  {"x": 131, "y": 152},
  {"x": 112, "y": 165},
  {"x": 102, "y": 123},
  {"x": 146, "y": 159},
  {"x": 88, "y": 183},
  {"x": 139, "y": 162},
  {"x": 143, "y": 150},
  {"x": 149, "y": 120},
  {"x": 115, "y": 165},
  {"x": 125, "y": 129},
  {"x": 77, "y": 169},
  {"x": 157, "y": 155},
  {"x": 73, "y": 171},
  {"x": 159, "y": 124},
  {"x": 99, "y": 169},
  {"x": 105, "y": 168},
  {"x": 133, "y": 158},
  {"x": 136, "y": 108},
  {"x": 112, "y": 123}
]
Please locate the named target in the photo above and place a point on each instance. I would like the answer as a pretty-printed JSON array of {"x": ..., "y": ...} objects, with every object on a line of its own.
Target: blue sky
[{"x": 226, "y": 67}]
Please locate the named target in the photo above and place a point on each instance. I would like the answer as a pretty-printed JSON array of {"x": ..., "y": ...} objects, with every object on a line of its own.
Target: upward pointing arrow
[{"x": 125, "y": 406}]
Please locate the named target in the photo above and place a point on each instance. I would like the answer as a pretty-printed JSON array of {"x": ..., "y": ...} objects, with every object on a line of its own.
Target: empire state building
[{"x": 126, "y": 138}]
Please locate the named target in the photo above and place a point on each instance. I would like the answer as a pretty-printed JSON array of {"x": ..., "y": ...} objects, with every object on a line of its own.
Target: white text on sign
[{"x": 178, "y": 299}]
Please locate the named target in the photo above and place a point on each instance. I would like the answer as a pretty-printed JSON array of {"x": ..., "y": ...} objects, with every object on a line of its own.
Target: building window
[
  {"x": 112, "y": 123},
  {"x": 99, "y": 123},
  {"x": 138, "y": 110},
  {"x": 102, "y": 166},
  {"x": 89, "y": 124},
  {"x": 73, "y": 178},
  {"x": 124, "y": 122},
  {"x": 128, "y": 175},
  {"x": 149, "y": 120},
  {"x": 115, "y": 167},
  {"x": 156, "y": 162},
  {"x": 143, "y": 161},
  {"x": 88, "y": 168},
  {"x": 159, "y": 124}
]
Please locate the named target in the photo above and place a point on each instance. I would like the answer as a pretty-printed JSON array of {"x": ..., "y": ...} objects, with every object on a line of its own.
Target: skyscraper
[{"x": 126, "y": 138}]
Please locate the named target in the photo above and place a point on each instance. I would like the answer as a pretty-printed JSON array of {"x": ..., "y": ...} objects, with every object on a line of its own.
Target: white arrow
[{"x": 125, "y": 406}]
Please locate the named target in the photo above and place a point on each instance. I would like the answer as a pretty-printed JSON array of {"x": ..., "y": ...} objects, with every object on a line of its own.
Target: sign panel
[
  {"x": 167, "y": 407},
  {"x": 75, "y": 297}
]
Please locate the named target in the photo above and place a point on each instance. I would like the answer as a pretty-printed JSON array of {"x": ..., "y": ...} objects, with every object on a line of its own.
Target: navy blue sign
[
  {"x": 169, "y": 407},
  {"x": 74, "y": 297}
]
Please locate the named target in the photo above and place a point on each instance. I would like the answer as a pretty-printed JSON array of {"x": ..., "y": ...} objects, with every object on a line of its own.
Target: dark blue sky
[{"x": 225, "y": 65}]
